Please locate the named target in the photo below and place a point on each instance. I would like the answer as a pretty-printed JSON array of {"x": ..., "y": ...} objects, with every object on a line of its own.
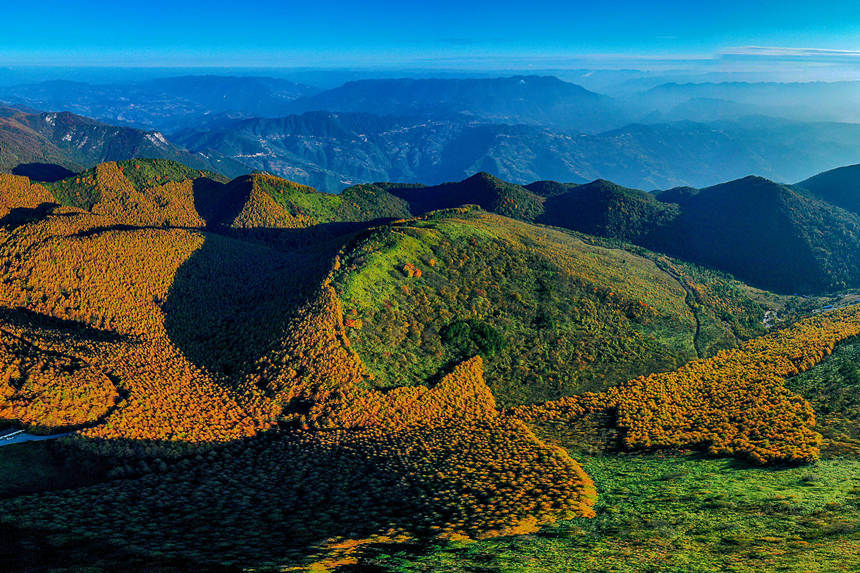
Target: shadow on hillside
[
  {"x": 33, "y": 550},
  {"x": 217, "y": 202},
  {"x": 232, "y": 299},
  {"x": 59, "y": 327},
  {"x": 42, "y": 172},
  {"x": 20, "y": 216},
  {"x": 275, "y": 498}
]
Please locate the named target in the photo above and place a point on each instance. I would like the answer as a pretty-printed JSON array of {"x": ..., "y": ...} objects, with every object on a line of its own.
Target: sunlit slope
[
  {"x": 50, "y": 390},
  {"x": 733, "y": 403},
  {"x": 19, "y": 193},
  {"x": 551, "y": 314},
  {"x": 210, "y": 338},
  {"x": 102, "y": 294},
  {"x": 260, "y": 200},
  {"x": 136, "y": 192},
  {"x": 190, "y": 339},
  {"x": 159, "y": 192}
]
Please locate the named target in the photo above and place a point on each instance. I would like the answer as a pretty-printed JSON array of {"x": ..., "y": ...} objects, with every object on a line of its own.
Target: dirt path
[{"x": 689, "y": 299}]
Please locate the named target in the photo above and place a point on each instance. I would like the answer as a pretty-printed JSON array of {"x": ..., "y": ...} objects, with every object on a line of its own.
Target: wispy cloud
[{"x": 791, "y": 53}]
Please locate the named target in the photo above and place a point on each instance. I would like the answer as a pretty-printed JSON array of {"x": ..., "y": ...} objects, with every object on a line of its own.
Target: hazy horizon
[{"x": 735, "y": 41}]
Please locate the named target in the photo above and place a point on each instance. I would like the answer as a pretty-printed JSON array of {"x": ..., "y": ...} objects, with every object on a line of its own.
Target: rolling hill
[
  {"x": 551, "y": 314},
  {"x": 257, "y": 374},
  {"x": 839, "y": 186},
  {"x": 608, "y": 210},
  {"x": 770, "y": 235},
  {"x": 767, "y": 234}
]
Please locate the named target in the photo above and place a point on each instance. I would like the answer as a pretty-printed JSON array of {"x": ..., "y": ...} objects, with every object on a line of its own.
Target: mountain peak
[{"x": 840, "y": 186}]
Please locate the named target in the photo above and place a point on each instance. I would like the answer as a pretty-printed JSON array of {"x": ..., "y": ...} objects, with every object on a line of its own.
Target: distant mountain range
[
  {"x": 44, "y": 146},
  {"x": 333, "y": 150},
  {"x": 165, "y": 104},
  {"x": 522, "y": 128},
  {"x": 801, "y": 101},
  {"x": 531, "y": 100},
  {"x": 171, "y": 104}
]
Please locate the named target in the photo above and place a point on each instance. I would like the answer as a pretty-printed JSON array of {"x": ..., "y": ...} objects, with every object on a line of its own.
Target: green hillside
[
  {"x": 838, "y": 186},
  {"x": 767, "y": 234},
  {"x": 551, "y": 314},
  {"x": 358, "y": 203},
  {"x": 608, "y": 210},
  {"x": 833, "y": 387}
]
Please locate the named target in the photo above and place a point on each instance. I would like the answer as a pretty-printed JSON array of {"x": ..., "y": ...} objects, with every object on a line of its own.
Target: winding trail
[{"x": 689, "y": 299}]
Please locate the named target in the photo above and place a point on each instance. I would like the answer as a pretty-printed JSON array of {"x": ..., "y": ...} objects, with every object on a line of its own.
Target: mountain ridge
[
  {"x": 75, "y": 142},
  {"x": 770, "y": 235}
]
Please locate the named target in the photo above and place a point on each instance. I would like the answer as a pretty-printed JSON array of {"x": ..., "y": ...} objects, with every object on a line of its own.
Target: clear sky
[{"x": 443, "y": 33}]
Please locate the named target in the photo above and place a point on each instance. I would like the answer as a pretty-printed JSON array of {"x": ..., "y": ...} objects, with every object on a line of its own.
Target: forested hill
[
  {"x": 787, "y": 239},
  {"x": 366, "y": 376},
  {"x": 838, "y": 186},
  {"x": 770, "y": 235}
]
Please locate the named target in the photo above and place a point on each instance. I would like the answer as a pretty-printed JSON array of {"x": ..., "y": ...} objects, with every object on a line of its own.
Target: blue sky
[{"x": 443, "y": 33}]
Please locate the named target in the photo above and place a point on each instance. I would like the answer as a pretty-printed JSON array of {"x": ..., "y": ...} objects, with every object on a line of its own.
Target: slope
[
  {"x": 222, "y": 384},
  {"x": 840, "y": 187},
  {"x": 73, "y": 142},
  {"x": 551, "y": 314},
  {"x": 767, "y": 234},
  {"x": 153, "y": 192},
  {"x": 482, "y": 189},
  {"x": 608, "y": 210}
]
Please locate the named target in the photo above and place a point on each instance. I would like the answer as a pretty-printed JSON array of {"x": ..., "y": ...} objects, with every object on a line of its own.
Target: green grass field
[{"x": 678, "y": 513}]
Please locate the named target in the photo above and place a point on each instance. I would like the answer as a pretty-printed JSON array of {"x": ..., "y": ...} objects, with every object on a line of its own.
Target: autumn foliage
[
  {"x": 18, "y": 192},
  {"x": 49, "y": 391},
  {"x": 734, "y": 403},
  {"x": 212, "y": 365}
]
